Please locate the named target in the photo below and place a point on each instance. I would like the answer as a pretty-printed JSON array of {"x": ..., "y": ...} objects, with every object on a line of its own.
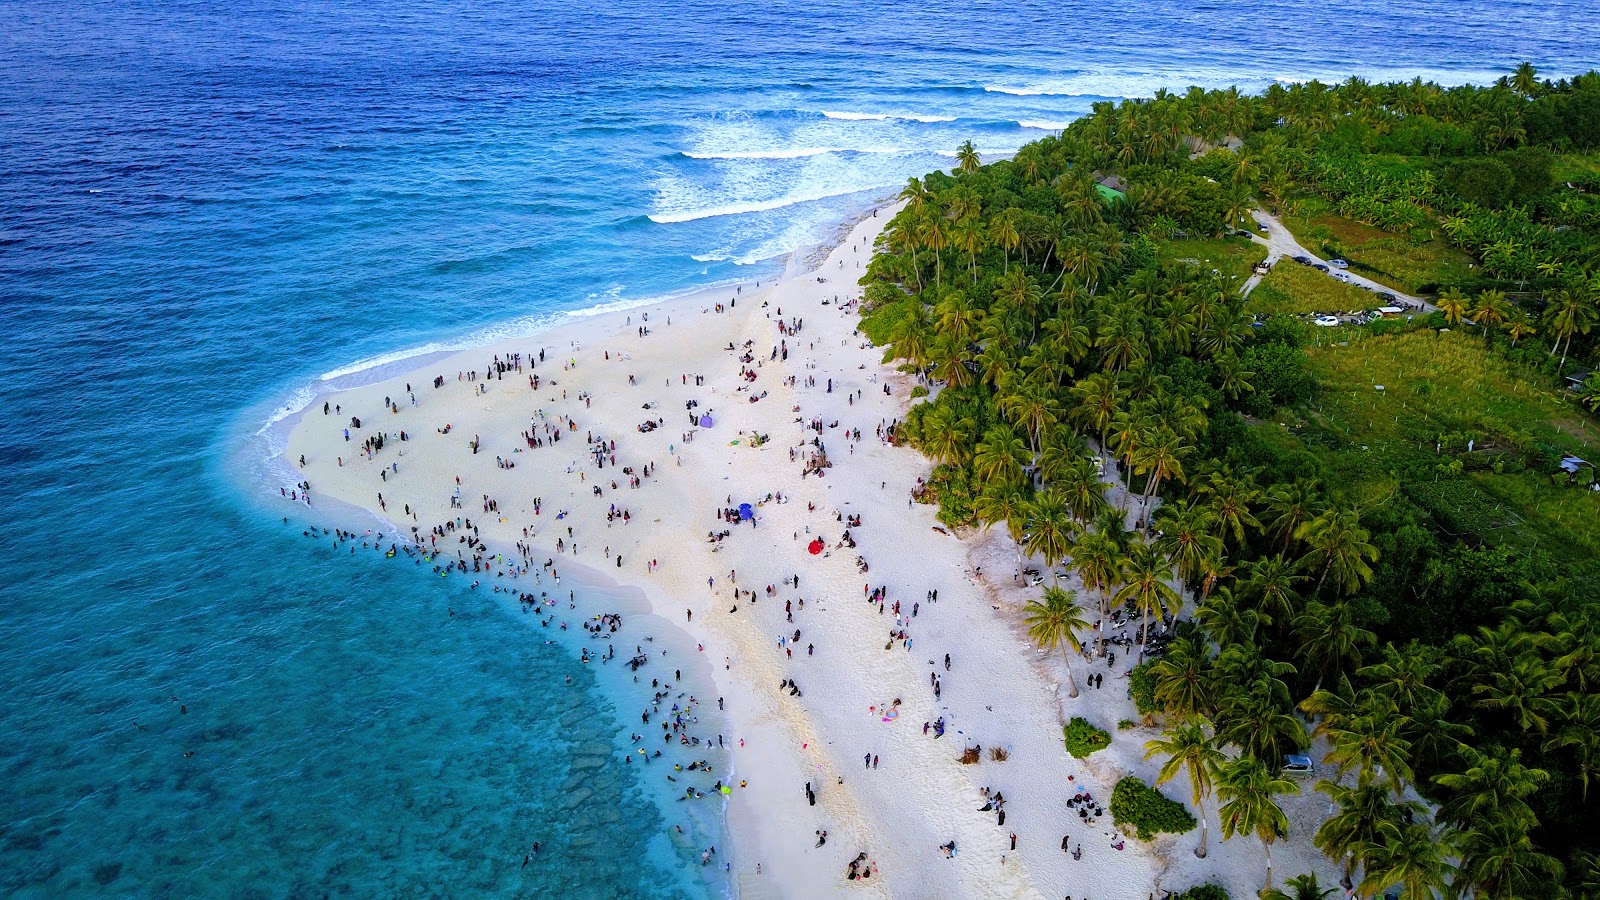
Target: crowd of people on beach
[{"x": 693, "y": 756}]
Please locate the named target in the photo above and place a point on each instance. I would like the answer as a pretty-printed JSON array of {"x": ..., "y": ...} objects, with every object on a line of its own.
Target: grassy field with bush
[
  {"x": 1440, "y": 391},
  {"x": 1291, "y": 289},
  {"x": 1231, "y": 256},
  {"x": 1407, "y": 263}
]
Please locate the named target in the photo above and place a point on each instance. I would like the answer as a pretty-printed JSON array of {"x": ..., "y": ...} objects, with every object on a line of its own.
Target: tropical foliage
[{"x": 1079, "y": 374}]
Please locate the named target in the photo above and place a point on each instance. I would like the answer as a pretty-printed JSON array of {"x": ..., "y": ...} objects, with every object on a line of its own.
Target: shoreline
[{"x": 913, "y": 796}]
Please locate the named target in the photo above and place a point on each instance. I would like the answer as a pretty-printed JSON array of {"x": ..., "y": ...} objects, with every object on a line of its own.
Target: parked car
[
  {"x": 1303, "y": 260},
  {"x": 1326, "y": 321},
  {"x": 1338, "y": 264},
  {"x": 1385, "y": 295},
  {"x": 1320, "y": 267}
]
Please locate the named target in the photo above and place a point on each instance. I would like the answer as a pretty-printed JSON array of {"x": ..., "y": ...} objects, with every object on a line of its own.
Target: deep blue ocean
[{"x": 206, "y": 207}]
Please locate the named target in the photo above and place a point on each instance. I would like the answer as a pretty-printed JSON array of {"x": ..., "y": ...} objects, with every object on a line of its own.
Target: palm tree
[
  {"x": 1416, "y": 857},
  {"x": 1079, "y": 481},
  {"x": 1496, "y": 786},
  {"x": 1054, "y": 623},
  {"x": 1161, "y": 457},
  {"x": 1184, "y": 680},
  {"x": 1190, "y": 749},
  {"x": 1500, "y": 862},
  {"x": 1186, "y": 537},
  {"x": 1339, "y": 546},
  {"x": 967, "y": 158},
  {"x": 1579, "y": 733},
  {"x": 1231, "y": 498},
  {"x": 1249, "y": 793},
  {"x": 1097, "y": 558},
  {"x": 1371, "y": 743},
  {"x": 1145, "y": 583},
  {"x": 1570, "y": 312},
  {"x": 1330, "y": 641},
  {"x": 1352, "y": 831},
  {"x": 1048, "y": 532},
  {"x": 1005, "y": 233},
  {"x": 1270, "y": 584},
  {"x": 1525, "y": 80},
  {"x": 1453, "y": 303},
  {"x": 1291, "y": 505},
  {"x": 1491, "y": 309},
  {"x": 1226, "y": 621},
  {"x": 1003, "y": 502},
  {"x": 1301, "y": 887},
  {"x": 1000, "y": 457}
]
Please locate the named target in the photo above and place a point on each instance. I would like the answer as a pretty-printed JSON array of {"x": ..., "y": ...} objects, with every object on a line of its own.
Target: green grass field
[
  {"x": 1293, "y": 289},
  {"x": 1399, "y": 261},
  {"x": 1234, "y": 256},
  {"x": 1446, "y": 388}
]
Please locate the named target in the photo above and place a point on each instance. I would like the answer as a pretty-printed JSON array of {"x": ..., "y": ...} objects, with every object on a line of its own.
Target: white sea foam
[
  {"x": 708, "y": 257},
  {"x": 735, "y": 209},
  {"x": 382, "y": 359},
  {"x": 1042, "y": 125},
  {"x": 783, "y": 153},
  {"x": 881, "y": 117}
]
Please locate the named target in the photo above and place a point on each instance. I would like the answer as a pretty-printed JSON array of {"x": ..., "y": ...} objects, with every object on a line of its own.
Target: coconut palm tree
[
  {"x": 1186, "y": 537},
  {"x": 1000, "y": 457},
  {"x": 1292, "y": 504},
  {"x": 1453, "y": 303},
  {"x": 1416, "y": 857},
  {"x": 1226, "y": 621},
  {"x": 1005, "y": 503},
  {"x": 1053, "y": 623},
  {"x": 1097, "y": 559},
  {"x": 1249, "y": 793},
  {"x": 1230, "y": 497},
  {"x": 1579, "y": 734},
  {"x": 1184, "y": 680},
  {"x": 1338, "y": 547},
  {"x": 1005, "y": 233},
  {"x": 1571, "y": 311},
  {"x": 967, "y": 158},
  {"x": 1269, "y": 584},
  {"x": 1145, "y": 576},
  {"x": 1352, "y": 831},
  {"x": 1162, "y": 458},
  {"x": 1300, "y": 887},
  {"x": 1495, "y": 786},
  {"x": 1079, "y": 481},
  {"x": 1500, "y": 862},
  {"x": 1371, "y": 744},
  {"x": 1189, "y": 748},
  {"x": 1048, "y": 532},
  {"x": 1330, "y": 641}
]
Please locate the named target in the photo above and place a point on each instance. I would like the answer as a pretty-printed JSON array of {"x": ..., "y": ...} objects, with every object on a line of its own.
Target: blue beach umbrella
[{"x": 745, "y": 511}]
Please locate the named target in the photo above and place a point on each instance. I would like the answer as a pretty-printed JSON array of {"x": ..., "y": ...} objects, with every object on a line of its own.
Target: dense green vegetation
[
  {"x": 1083, "y": 738},
  {"x": 1141, "y": 807},
  {"x": 1433, "y": 606}
]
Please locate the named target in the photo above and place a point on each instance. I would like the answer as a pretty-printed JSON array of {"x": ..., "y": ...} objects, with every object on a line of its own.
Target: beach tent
[
  {"x": 815, "y": 546},
  {"x": 745, "y": 512},
  {"x": 705, "y": 421}
]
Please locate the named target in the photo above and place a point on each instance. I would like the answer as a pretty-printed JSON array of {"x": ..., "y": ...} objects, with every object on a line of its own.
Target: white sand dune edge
[{"x": 999, "y": 691}]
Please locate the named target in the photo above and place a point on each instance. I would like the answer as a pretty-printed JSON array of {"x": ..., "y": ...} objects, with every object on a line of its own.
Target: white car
[
  {"x": 1327, "y": 321},
  {"x": 1338, "y": 264}
]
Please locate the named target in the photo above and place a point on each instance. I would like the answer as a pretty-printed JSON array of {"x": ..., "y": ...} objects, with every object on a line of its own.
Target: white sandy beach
[{"x": 999, "y": 691}]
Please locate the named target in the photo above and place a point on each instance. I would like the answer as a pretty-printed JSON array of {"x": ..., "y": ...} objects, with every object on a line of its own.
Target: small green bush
[
  {"x": 918, "y": 391},
  {"x": 1149, "y": 812},
  {"x": 1142, "y": 688},
  {"x": 1125, "y": 724},
  {"x": 1202, "y": 892},
  {"x": 1083, "y": 739}
]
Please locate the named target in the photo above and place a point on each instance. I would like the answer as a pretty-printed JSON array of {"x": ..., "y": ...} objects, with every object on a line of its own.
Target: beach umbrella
[
  {"x": 815, "y": 547},
  {"x": 745, "y": 512},
  {"x": 705, "y": 421}
]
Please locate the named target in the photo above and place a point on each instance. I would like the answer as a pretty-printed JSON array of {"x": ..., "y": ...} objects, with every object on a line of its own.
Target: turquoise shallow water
[{"x": 205, "y": 207}]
